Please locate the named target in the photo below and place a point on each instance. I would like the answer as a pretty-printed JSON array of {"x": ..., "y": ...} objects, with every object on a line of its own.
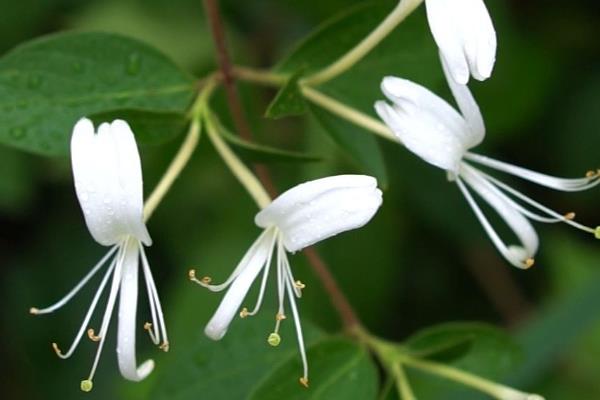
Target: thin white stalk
[
  {"x": 88, "y": 315},
  {"x": 77, "y": 287},
  {"x": 236, "y": 166}
]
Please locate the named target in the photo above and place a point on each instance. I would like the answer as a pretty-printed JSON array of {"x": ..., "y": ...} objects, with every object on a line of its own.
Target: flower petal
[
  {"x": 465, "y": 35},
  {"x": 230, "y": 305},
  {"x": 518, "y": 255},
  {"x": 423, "y": 135},
  {"x": 469, "y": 109},
  {"x": 316, "y": 210},
  {"x": 108, "y": 181},
  {"x": 127, "y": 317}
]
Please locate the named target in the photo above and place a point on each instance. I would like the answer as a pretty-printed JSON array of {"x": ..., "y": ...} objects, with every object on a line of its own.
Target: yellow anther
[
  {"x": 206, "y": 280},
  {"x": 299, "y": 285},
  {"x": 164, "y": 346},
  {"x": 34, "y": 311},
  {"x": 280, "y": 317},
  {"x": 570, "y": 215},
  {"x": 529, "y": 262},
  {"x": 56, "y": 349},
  {"x": 192, "y": 274},
  {"x": 147, "y": 326},
  {"x": 274, "y": 339},
  {"x": 591, "y": 174},
  {"x": 597, "y": 232},
  {"x": 244, "y": 313},
  {"x": 86, "y": 385},
  {"x": 304, "y": 381},
  {"x": 92, "y": 335}
]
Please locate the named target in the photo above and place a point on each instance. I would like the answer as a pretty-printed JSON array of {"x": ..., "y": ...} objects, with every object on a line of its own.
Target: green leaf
[
  {"x": 444, "y": 342},
  {"x": 338, "y": 370},
  {"x": 150, "y": 127},
  {"x": 49, "y": 83},
  {"x": 408, "y": 51},
  {"x": 566, "y": 317},
  {"x": 470, "y": 346},
  {"x": 362, "y": 148},
  {"x": 233, "y": 367},
  {"x": 262, "y": 153},
  {"x": 288, "y": 101}
]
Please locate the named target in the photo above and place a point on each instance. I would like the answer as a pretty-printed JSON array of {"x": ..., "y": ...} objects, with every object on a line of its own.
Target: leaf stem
[
  {"x": 402, "y": 10},
  {"x": 183, "y": 154},
  {"x": 348, "y": 113},
  {"x": 237, "y": 167},
  {"x": 320, "y": 99},
  {"x": 494, "y": 389},
  {"x": 404, "y": 390}
]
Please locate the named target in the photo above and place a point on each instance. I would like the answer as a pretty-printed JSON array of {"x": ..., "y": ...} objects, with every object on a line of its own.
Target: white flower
[
  {"x": 300, "y": 217},
  {"x": 432, "y": 129},
  {"x": 108, "y": 182},
  {"x": 465, "y": 36}
]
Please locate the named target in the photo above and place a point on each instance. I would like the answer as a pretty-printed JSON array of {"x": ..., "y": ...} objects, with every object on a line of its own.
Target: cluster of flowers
[{"x": 108, "y": 182}]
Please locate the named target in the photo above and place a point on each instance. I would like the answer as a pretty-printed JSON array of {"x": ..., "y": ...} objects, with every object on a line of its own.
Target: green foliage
[
  {"x": 475, "y": 347},
  {"x": 360, "y": 146},
  {"x": 288, "y": 101},
  {"x": 49, "y": 83},
  {"x": 262, "y": 153},
  {"x": 150, "y": 127},
  {"x": 339, "y": 369},
  {"x": 235, "y": 366}
]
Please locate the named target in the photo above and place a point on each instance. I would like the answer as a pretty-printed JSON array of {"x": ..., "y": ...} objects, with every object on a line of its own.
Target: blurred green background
[{"x": 423, "y": 260}]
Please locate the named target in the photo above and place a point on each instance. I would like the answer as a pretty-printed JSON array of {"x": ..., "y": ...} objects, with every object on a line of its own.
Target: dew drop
[
  {"x": 17, "y": 133},
  {"x": 77, "y": 67},
  {"x": 133, "y": 64},
  {"x": 34, "y": 82}
]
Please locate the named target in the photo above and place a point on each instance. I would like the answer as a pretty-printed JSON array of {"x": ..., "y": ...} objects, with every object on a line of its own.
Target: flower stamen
[
  {"x": 34, "y": 311},
  {"x": 299, "y": 285},
  {"x": 244, "y": 313},
  {"x": 280, "y": 317},
  {"x": 164, "y": 346},
  {"x": 148, "y": 328},
  {"x": 304, "y": 381},
  {"x": 570, "y": 216},
  {"x": 56, "y": 349},
  {"x": 92, "y": 335},
  {"x": 529, "y": 262},
  {"x": 86, "y": 385},
  {"x": 274, "y": 339}
]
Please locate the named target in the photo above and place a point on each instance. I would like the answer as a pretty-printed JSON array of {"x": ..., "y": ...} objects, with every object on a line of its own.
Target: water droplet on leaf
[
  {"x": 77, "y": 67},
  {"x": 34, "y": 82},
  {"x": 17, "y": 133},
  {"x": 133, "y": 64}
]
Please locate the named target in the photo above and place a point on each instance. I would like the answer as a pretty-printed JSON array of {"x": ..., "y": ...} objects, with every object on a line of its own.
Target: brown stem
[{"x": 337, "y": 297}]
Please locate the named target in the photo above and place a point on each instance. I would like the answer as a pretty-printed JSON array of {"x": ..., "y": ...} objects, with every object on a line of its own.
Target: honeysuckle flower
[
  {"x": 433, "y": 130},
  {"x": 108, "y": 182},
  {"x": 300, "y": 217},
  {"x": 465, "y": 35}
]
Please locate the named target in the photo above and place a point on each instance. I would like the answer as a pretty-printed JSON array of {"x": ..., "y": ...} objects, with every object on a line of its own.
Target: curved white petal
[
  {"x": 469, "y": 109},
  {"x": 127, "y": 317},
  {"x": 465, "y": 35},
  {"x": 108, "y": 181},
  {"x": 316, "y": 210},
  {"x": 552, "y": 182},
  {"x": 518, "y": 255},
  {"x": 230, "y": 305},
  {"x": 427, "y": 138}
]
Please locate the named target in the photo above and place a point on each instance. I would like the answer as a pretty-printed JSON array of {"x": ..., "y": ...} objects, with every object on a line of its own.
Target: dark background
[{"x": 423, "y": 260}]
